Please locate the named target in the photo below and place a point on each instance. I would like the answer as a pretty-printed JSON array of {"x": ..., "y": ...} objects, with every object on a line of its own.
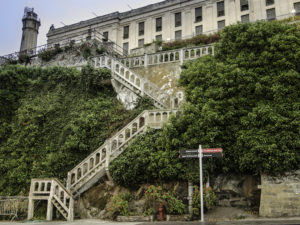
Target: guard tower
[{"x": 31, "y": 24}]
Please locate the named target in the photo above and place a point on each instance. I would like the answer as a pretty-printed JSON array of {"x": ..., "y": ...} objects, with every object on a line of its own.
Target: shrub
[
  {"x": 70, "y": 46},
  {"x": 155, "y": 194},
  {"x": 120, "y": 204},
  {"x": 86, "y": 50},
  {"x": 24, "y": 58},
  {"x": 209, "y": 199},
  {"x": 100, "y": 51},
  {"x": 48, "y": 54},
  {"x": 197, "y": 40}
]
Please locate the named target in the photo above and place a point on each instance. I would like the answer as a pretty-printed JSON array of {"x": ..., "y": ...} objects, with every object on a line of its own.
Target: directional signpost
[{"x": 200, "y": 153}]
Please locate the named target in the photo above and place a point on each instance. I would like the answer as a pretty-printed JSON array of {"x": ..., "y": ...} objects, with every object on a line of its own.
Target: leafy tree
[
  {"x": 145, "y": 160},
  {"x": 246, "y": 98}
]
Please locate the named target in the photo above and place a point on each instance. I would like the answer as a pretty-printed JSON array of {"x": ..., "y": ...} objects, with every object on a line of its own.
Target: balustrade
[
  {"x": 133, "y": 81},
  {"x": 114, "y": 146},
  {"x": 55, "y": 193},
  {"x": 179, "y": 55}
]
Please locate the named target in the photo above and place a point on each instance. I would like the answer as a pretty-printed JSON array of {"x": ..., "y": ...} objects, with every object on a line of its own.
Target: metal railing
[
  {"x": 13, "y": 206},
  {"x": 109, "y": 45}
]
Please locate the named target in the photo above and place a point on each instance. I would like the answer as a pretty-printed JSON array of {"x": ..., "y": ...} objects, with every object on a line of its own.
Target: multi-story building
[{"x": 173, "y": 20}]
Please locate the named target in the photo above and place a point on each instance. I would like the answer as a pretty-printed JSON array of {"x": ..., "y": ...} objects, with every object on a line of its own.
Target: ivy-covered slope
[
  {"x": 51, "y": 119},
  {"x": 245, "y": 99}
]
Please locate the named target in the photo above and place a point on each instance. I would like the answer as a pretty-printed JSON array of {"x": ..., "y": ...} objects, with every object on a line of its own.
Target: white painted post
[
  {"x": 30, "y": 208},
  {"x": 142, "y": 88},
  {"x": 49, "y": 210},
  {"x": 201, "y": 182},
  {"x": 145, "y": 60},
  {"x": 30, "y": 202},
  {"x": 71, "y": 209},
  {"x": 50, "y": 205},
  {"x": 69, "y": 177},
  {"x": 181, "y": 55},
  {"x": 190, "y": 196}
]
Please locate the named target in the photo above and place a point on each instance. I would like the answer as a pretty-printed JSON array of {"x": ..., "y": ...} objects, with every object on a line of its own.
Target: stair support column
[
  {"x": 107, "y": 160},
  {"x": 49, "y": 216},
  {"x": 50, "y": 204},
  {"x": 30, "y": 208}
]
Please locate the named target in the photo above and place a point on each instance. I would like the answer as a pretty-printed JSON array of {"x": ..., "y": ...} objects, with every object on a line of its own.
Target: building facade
[{"x": 173, "y": 20}]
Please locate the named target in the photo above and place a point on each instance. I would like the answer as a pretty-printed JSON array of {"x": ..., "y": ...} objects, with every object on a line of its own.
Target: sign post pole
[{"x": 201, "y": 183}]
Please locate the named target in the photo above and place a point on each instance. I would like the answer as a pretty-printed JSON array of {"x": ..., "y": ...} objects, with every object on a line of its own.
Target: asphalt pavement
[{"x": 280, "y": 221}]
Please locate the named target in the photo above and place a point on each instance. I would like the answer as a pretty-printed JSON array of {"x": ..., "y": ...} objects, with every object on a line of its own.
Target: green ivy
[{"x": 51, "y": 119}]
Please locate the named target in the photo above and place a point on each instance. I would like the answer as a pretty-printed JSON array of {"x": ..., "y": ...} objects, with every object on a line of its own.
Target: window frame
[
  {"x": 196, "y": 30},
  {"x": 297, "y": 13},
  {"x": 178, "y": 19},
  {"x": 268, "y": 10},
  {"x": 270, "y": 2},
  {"x": 243, "y": 5},
  {"x": 158, "y": 28},
  {"x": 223, "y": 26},
  {"x": 158, "y": 37},
  {"x": 176, "y": 32},
  {"x": 139, "y": 43},
  {"x": 141, "y": 27},
  {"x": 125, "y": 51},
  {"x": 242, "y": 16},
  {"x": 220, "y": 12},
  {"x": 126, "y": 35},
  {"x": 105, "y": 36},
  {"x": 198, "y": 18}
]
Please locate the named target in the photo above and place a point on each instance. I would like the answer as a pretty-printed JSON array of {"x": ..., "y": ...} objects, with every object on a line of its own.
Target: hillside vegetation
[
  {"x": 51, "y": 119},
  {"x": 245, "y": 99}
]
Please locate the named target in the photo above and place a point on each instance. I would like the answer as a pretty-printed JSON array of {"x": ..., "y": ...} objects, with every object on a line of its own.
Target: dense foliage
[
  {"x": 156, "y": 194},
  {"x": 201, "y": 39},
  {"x": 120, "y": 204},
  {"x": 209, "y": 199},
  {"x": 145, "y": 160},
  {"x": 51, "y": 119},
  {"x": 245, "y": 99}
]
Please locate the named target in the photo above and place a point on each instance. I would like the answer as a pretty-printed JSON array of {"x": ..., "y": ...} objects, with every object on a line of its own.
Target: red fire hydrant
[{"x": 160, "y": 212}]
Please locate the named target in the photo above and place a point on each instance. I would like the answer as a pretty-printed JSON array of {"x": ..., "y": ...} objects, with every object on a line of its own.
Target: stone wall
[
  {"x": 280, "y": 196},
  {"x": 164, "y": 76},
  {"x": 237, "y": 191}
]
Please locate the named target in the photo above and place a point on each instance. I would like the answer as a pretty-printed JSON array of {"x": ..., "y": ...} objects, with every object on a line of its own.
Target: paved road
[{"x": 101, "y": 222}]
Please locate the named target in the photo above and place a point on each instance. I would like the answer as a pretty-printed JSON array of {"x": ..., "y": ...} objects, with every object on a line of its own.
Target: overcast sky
[{"x": 54, "y": 12}]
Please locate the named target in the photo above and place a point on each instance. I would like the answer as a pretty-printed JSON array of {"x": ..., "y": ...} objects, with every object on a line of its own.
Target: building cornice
[{"x": 119, "y": 16}]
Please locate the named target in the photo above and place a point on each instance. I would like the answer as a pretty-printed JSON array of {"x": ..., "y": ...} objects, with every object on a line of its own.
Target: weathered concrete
[
  {"x": 31, "y": 25},
  {"x": 280, "y": 196},
  {"x": 237, "y": 191},
  {"x": 164, "y": 76}
]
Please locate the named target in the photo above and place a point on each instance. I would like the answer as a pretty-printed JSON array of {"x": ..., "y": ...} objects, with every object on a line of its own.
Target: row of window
[
  {"x": 198, "y": 17},
  {"x": 271, "y": 15}
]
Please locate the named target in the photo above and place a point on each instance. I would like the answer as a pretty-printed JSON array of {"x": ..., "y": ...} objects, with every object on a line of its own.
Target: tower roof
[{"x": 30, "y": 14}]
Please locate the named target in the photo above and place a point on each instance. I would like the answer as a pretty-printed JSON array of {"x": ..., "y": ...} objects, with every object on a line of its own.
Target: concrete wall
[
  {"x": 280, "y": 196},
  {"x": 164, "y": 76},
  {"x": 30, "y": 33},
  {"x": 114, "y": 23}
]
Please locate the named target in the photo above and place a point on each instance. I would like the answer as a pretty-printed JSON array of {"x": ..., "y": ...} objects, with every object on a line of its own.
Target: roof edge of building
[{"x": 115, "y": 15}]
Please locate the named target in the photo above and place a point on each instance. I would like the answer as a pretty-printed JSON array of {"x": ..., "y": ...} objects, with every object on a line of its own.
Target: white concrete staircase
[
  {"x": 55, "y": 193},
  {"x": 93, "y": 167},
  {"x": 133, "y": 81}
]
